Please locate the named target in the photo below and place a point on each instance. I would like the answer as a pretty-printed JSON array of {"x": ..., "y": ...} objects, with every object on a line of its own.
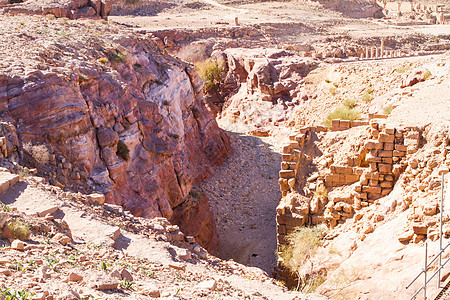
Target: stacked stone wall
[{"x": 383, "y": 162}]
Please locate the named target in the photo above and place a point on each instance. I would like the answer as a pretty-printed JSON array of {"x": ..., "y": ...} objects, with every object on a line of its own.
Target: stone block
[
  {"x": 388, "y": 146},
  {"x": 292, "y": 220},
  {"x": 281, "y": 229},
  {"x": 286, "y": 149},
  {"x": 372, "y": 175},
  {"x": 341, "y": 169},
  {"x": 389, "y": 130},
  {"x": 419, "y": 228},
  {"x": 374, "y": 132},
  {"x": 284, "y": 166},
  {"x": 386, "y": 192},
  {"x": 386, "y": 138},
  {"x": 388, "y": 177},
  {"x": 385, "y": 168},
  {"x": 373, "y": 196},
  {"x": 287, "y": 173},
  {"x": 336, "y": 123},
  {"x": 345, "y": 124},
  {"x": 371, "y": 189},
  {"x": 384, "y": 153},
  {"x": 400, "y": 147},
  {"x": 287, "y": 157},
  {"x": 397, "y": 153},
  {"x": 363, "y": 196},
  {"x": 387, "y": 160},
  {"x": 358, "y": 188},
  {"x": 351, "y": 178},
  {"x": 386, "y": 184},
  {"x": 373, "y": 182},
  {"x": 96, "y": 198}
]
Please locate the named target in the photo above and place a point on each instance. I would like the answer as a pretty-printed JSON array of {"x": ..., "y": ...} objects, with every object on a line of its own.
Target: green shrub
[
  {"x": 332, "y": 90},
  {"x": 304, "y": 243},
  {"x": 350, "y": 103},
  {"x": 19, "y": 230},
  {"x": 426, "y": 75},
  {"x": 387, "y": 110},
  {"x": 123, "y": 151},
  {"x": 9, "y": 294},
  {"x": 211, "y": 71},
  {"x": 403, "y": 69},
  {"x": 367, "y": 95},
  {"x": 343, "y": 113},
  {"x": 117, "y": 56}
]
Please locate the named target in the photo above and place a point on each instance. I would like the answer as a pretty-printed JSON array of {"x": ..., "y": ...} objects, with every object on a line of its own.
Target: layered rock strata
[{"x": 108, "y": 112}]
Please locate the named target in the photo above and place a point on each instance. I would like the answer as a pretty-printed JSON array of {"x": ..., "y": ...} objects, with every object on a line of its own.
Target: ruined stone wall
[{"x": 337, "y": 191}]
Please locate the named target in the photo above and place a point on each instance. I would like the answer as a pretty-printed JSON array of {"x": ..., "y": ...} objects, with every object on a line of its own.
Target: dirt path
[{"x": 243, "y": 195}]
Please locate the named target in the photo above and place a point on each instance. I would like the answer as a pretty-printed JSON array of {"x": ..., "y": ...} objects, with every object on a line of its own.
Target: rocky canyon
[{"x": 223, "y": 150}]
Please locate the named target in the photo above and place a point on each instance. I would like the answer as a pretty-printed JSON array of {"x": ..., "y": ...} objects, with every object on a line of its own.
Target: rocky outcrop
[
  {"x": 354, "y": 9},
  {"x": 261, "y": 87},
  {"x": 72, "y": 9},
  {"x": 123, "y": 120}
]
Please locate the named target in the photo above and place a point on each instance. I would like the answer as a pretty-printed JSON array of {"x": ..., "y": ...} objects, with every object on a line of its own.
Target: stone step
[{"x": 7, "y": 180}]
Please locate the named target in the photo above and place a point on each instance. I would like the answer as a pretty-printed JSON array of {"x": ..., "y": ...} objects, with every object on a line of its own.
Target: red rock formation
[
  {"x": 133, "y": 126},
  {"x": 72, "y": 9}
]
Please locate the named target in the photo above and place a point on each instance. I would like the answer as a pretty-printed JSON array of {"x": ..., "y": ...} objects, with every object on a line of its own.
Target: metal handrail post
[
  {"x": 440, "y": 228},
  {"x": 425, "y": 272}
]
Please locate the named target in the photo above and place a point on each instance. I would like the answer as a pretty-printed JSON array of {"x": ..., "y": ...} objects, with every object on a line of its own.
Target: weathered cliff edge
[{"x": 94, "y": 95}]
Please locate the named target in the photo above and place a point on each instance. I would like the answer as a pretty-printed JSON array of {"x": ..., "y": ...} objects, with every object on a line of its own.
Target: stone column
[
  {"x": 382, "y": 48},
  {"x": 236, "y": 21},
  {"x": 367, "y": 52},
  {"x": 372, "y": 52},
  {"x": 376, "y": 52},
  {"x": 362, "y": 55}
]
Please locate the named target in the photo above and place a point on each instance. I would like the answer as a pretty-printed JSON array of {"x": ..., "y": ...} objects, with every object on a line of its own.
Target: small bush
[
  {"x": 4, "y": 207},
  {"x": 19, "y": 230},
  {"x": 367, "y": 95},
  {"x": 117, "y": 56},
  {"x": 9, "y": 294},
  {"x": 211, "y": 71},
  {"x": 304, "y": 243},
  {"x": 123, "y": 151},
  {"x": 332, "y": 90},
  {"x": 40, "y": 153},
  {"x": 350, "y": 103},
  {"x": 343, "y": 113},
  {"x": 426, "y": 75},
  {"x": 387, "y": 110},
  {"x": 403, "y": 69}
]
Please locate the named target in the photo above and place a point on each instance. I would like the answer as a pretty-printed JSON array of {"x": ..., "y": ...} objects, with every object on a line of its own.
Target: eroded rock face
[
  {"x": 131, "y": 125},
  {"x": 72, "y": 9}
]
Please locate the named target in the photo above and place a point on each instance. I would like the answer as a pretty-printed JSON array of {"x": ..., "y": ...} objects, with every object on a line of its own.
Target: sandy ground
[{"x": 243, "y": 195}]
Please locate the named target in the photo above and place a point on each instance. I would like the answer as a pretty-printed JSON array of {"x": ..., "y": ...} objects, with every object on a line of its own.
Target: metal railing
[{"x": 427, "y": 264}]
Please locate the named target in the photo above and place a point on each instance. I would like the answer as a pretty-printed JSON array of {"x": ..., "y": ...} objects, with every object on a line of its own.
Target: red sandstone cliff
[{"x": 98, "y": 92}]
